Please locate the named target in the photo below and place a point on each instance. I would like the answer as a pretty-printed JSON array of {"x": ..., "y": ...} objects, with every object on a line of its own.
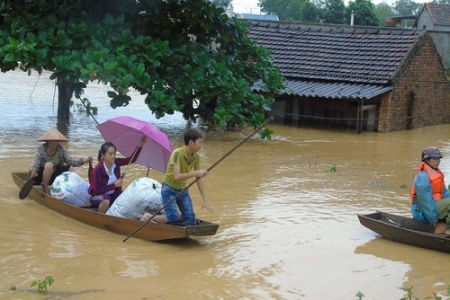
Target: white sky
[{"x": 251, "y": 6}]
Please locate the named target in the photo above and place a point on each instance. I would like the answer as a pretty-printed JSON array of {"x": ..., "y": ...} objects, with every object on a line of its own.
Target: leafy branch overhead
[{"x": 185, "y": 56}]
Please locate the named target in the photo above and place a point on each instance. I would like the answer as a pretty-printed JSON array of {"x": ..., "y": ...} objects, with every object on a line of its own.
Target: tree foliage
[
  {"x": 185, "y": 56},
  {"x": 383, "y": 11},
  {"x": 290, "y": 10},
  {"x": 333, "y": 12},
  {"x": 364, "y": 13},
  {"x": 406, "y": 7},
  {"x": 222, "y": 3},
  {"x": 309, "y": 12},
  {"x": 325, "y": 11}
]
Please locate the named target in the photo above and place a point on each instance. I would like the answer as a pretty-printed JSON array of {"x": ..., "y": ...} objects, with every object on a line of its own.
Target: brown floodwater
[{"x": 288, "y": 224}]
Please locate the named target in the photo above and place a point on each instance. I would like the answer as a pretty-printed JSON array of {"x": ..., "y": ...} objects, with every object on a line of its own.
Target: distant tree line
[{"x": 336, "y": 12}]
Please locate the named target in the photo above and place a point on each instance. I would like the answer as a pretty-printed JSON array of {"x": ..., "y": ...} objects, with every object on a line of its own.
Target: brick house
[
  {"x": 435, "y": 18},
  {"x": 367, "y": 78}
]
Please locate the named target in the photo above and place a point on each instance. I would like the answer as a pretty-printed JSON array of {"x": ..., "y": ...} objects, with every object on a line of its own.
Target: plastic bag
[
  {"x": 71, "y": 188},
  {"x": 141, "y": 196}
]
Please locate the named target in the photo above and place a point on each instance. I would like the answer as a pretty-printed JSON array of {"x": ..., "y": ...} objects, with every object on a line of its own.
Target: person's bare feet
[
  {"x": 440, "y": 228},
  {"x": 103, "y": 206},
  {"x": 158, "y": 218},
  {"x": 146, "y": 217}
]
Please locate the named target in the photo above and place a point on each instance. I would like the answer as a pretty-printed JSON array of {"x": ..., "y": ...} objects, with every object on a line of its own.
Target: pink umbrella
[{"x": 126, "y": 132}]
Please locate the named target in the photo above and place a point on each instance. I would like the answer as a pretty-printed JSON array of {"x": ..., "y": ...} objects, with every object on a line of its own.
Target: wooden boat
[
  {"x": 150, "y": 232},
  {"x": 405, "y": 230}
]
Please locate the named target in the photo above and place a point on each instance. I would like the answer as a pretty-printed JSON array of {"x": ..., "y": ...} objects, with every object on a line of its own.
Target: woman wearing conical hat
[{"x": 51, "y": 159}]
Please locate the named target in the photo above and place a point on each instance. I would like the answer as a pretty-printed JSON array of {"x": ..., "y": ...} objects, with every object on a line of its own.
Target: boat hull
[
  {"x": 122, "y": 226},
  {"x": 405, "y": 230}
]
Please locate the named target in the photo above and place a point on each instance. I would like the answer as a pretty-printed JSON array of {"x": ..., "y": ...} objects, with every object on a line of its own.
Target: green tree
[
  {"x": 406, "y": 7},
  {"x": 309, "y": 12},
  {"x": 364, "y": 13},
  {"x": 284, "y": 9},
  {"x": 333, "y": 12},
  {"x": 185, "y": 56},
  {"x": 383, "y": 11},
  {"x": 222, "y": 3},
  {"x": 291, "y": 10}
]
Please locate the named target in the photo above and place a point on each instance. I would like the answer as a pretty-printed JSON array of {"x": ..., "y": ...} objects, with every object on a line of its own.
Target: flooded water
[{"x": 288, "y": 224}]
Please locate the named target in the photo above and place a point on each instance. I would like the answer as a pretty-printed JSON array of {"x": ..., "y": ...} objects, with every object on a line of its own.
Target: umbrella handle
[
  {"x": 132, "y": 157},
  {"x": 196, "y": 179},
  {"x": 134, "y": 153}
]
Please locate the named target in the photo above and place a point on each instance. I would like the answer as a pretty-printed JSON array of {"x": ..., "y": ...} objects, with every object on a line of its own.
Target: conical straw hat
[{"x": 53, "y": 135}]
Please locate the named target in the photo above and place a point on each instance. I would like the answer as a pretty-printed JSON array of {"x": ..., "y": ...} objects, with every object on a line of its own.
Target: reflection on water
[
  {"x": 286, "y": 208},
  {"x": 425, "y": 277}
]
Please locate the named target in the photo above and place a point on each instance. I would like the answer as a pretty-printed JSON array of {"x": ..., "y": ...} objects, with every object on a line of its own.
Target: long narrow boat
[
  {"x": 150, "y": 232},
  {"x": 405, "y": 230}
]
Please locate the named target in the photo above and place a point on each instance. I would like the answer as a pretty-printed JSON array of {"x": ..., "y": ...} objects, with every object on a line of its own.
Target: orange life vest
[{"x": 436, "y": 181}]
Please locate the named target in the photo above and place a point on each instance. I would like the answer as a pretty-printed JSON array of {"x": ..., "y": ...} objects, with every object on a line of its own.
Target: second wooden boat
[{"x": 405, "y": 230}]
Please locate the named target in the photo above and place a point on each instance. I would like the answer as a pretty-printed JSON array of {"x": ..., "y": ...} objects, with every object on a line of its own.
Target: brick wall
[{"x": 421, "y": 94}]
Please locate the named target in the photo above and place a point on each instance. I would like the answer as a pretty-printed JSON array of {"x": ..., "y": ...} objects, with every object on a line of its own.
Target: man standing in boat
[
  {"x": 429, "y": 196},
  {"x": 184, "y": 163}
]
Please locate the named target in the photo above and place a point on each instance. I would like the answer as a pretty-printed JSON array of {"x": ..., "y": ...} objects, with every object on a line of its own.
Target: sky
[{"x": 251, "y": 6}]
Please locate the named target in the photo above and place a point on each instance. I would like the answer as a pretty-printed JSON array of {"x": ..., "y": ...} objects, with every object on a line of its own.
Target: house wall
[
  {"x": 441, "y": 28},
  {"x": 424, "y": 21},
  {"x": 421, "y": 94},
  {"x": 385, "y": 110},
  {"x": 442, "y": 42}
]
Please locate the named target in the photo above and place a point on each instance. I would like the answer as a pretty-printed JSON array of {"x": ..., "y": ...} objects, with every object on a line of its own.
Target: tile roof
[
  {"x": 337, "y": 90},
  {"x": 367, "y": 55},
  {"x": 440, "y": 13},
  {"x": 258, "y": 17}
]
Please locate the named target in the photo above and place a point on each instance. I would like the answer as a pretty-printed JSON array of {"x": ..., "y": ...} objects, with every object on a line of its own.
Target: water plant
[
  {"x": 266, "y": 133},
  {"x": 42, "y": 284},
  {"x": 410, "y": 295},
  {"x": 84, "y": 107},
  {"x": 41, "y": 287}
]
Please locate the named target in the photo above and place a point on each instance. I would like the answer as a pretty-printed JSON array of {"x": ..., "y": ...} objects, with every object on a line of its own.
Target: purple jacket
[{"x": 99, "y": 176}]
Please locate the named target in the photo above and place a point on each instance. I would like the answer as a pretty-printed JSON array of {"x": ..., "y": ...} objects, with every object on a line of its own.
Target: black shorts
[{"x": 58, "y": 171}]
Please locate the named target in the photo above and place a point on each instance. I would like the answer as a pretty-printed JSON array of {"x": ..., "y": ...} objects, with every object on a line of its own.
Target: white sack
[
  {"x": 71, "y": 188},
  {"x": 141, "y": 196}
]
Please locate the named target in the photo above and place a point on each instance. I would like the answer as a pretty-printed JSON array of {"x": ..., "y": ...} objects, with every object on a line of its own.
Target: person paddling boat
[{"x": 51, "y": 159}]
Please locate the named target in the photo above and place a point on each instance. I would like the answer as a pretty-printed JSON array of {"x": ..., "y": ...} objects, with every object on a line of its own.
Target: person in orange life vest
[{"x": 429, "y": 196}]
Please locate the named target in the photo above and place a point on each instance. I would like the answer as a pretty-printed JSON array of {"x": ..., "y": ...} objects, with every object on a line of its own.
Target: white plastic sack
[
  {"x": 141, "y": 196},
  {"x": 71, "y": 188}
]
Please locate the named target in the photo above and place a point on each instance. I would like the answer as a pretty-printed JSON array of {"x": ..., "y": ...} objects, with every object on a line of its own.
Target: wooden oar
[
  {"x": 28, "y": 185},
  {"x": 209, "y": 169},
  {"x": 26, "y": 188}
]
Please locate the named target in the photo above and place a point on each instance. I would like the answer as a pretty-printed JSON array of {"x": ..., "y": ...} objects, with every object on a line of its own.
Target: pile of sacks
[{"x": 141, "y": 196}]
